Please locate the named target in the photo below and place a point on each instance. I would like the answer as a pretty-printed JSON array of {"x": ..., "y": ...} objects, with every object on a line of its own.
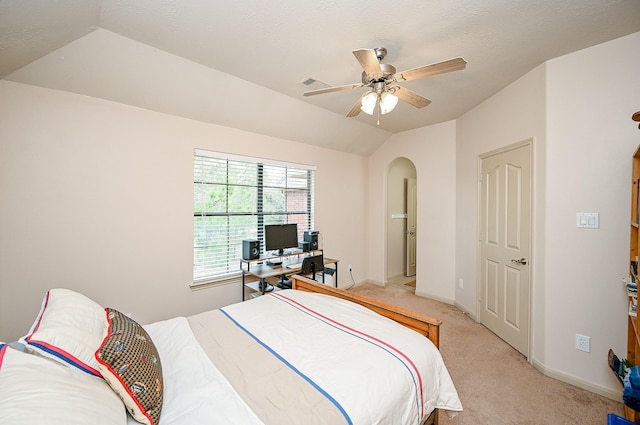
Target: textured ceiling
[{"x": 261, "y": 51}]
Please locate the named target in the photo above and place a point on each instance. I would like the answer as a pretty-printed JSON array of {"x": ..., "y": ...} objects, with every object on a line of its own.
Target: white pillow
[
  {"x": 68, "y": 328},
  {"x": 36, "y": 390}
]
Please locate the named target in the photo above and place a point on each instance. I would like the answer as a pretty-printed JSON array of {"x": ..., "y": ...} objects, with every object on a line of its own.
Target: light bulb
[
  {"x": 388, "y": 101},
  {"x": 369, "y": 103}
]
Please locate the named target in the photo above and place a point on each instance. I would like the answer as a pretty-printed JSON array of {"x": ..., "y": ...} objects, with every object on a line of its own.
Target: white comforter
[
  {"x": 195, "y": 392},
  {"x": 372, "y": 369}
]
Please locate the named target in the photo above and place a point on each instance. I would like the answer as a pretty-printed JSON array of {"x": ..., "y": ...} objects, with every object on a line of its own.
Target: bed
[{"x": 308, "y": 355}]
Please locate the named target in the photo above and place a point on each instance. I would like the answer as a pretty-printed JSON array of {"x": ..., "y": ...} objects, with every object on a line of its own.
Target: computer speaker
[
  {"x": 250, "y": 249},
  {"x": 311, "y": 236},
  {"x": 304, "y": 246}
]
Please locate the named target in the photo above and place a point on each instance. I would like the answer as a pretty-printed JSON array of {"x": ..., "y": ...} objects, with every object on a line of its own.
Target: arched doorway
[{"x": 400, "y": 221}]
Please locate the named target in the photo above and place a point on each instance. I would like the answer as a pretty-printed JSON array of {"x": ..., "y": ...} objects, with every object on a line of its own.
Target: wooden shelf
[
  {"x": 631, "y": 415},
  {"x": 633, "y": 339}
]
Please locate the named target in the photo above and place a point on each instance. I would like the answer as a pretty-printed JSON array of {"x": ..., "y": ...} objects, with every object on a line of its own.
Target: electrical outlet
[
  {"x": 460, "y": 283},
  {"x": 350, "y": 269},
  {"x": 583, "y": 343}
]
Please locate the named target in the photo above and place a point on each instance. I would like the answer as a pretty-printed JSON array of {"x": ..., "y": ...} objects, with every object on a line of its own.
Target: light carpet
[{"x": 496, "y": 383}]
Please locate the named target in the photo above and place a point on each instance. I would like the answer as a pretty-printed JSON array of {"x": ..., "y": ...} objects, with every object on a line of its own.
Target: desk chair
[
  {"x": 284, "y": 283},
  {"x": 312, "y": 265}
]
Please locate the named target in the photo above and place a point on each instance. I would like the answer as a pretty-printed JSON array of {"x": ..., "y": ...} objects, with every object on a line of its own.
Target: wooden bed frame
[{"x": 421, "y": 323}]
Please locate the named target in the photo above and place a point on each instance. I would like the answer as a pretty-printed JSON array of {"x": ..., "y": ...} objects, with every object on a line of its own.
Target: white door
[
  {"x": 411, "y": 208},
  {"x": 505, "y": 238}
]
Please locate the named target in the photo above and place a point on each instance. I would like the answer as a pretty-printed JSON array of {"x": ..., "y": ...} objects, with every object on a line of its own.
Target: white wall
[
  {"x": 577, "y": 109},
  {"x": 432, "y": 151},
  {"x": 97, "y": 196},
  {"x": 591, "y": 96}
]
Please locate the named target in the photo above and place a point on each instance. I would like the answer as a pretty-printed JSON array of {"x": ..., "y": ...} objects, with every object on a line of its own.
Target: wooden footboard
[{"x": 421, "y": 323}]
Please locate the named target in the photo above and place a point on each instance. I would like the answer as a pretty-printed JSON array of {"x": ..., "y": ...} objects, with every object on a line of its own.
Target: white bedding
[
  {"x": 351, "y": 344},
  {"x": 353, "y": 350},
  {"x": 195, "y": 392}
]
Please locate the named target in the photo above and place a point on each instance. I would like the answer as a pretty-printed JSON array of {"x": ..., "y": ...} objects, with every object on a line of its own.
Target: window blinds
[{"x": 234, "y": 197}]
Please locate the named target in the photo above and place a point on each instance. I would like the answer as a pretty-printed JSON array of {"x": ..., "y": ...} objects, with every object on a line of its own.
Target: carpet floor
[{"x": 496, "y": 384}]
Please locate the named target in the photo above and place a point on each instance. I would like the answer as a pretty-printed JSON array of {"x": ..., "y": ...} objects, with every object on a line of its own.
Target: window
[{"x": 234, "y": 197}]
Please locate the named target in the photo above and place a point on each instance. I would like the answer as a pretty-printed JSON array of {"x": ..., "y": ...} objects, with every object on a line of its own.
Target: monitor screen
[{"x": 280, "y": 237}]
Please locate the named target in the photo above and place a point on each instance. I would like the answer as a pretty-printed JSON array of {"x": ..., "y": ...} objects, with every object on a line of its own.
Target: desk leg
[
  {"x": 263, "y": 285},
  {"x": 243, "y": 287},
  {"x": 333, "y": 272}
]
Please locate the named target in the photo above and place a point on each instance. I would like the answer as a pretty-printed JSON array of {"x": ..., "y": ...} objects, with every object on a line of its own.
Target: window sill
[{"x": 211, "y": 283}]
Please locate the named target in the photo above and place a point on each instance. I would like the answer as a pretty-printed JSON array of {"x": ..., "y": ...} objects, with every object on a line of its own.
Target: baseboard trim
[
  {"x": 433, "y": 297},
  {"x": 463, "y": 309},
  {"x": 577, "y": 382},
  {"x": 374, "y": 282}
]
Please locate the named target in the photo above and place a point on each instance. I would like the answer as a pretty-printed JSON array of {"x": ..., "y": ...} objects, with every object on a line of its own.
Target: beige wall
[
  {"x": 577, "y": 109},
  {"x": 432, "y": 151},
  {"x": 97, "y": 196},
  {"x": 591, "y": 95}
]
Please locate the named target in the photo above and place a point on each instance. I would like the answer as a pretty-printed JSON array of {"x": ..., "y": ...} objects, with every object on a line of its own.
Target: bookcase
[{"x": 633, "y": 338}]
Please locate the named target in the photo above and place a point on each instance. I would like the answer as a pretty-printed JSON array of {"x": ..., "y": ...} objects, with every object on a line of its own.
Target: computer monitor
[
  {"x": 280, "y": 237},
  {"x": 313, "y": 264}
]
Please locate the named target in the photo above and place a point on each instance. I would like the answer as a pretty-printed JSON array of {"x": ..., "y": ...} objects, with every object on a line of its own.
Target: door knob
[{"x": 522, "y": 261}]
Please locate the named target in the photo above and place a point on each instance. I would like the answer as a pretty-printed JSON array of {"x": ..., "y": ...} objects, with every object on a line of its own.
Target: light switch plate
[{"x": 588, "y": 220}]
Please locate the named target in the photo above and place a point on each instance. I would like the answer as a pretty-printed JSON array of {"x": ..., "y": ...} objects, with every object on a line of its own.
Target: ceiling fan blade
[
  {"x": 332, "y": 89},
  {"x": 433, "y": 69},
  {"x": 355, "y": 110},
  {"x": 411, "y": 97},
  {"x": 368, "y": 60}
]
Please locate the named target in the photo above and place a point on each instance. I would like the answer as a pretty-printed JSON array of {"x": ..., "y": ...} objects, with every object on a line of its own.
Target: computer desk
[{"x": 259, "y": 268}]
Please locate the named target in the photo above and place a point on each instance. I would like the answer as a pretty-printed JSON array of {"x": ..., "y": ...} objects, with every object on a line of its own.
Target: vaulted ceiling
[{"x": 242, "y": 63}]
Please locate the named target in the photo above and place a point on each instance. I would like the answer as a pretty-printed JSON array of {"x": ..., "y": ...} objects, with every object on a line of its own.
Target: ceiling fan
[{"x": 382, "y": 79}]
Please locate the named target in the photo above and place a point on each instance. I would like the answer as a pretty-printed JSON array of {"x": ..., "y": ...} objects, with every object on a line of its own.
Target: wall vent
[{"x": 312, "y": 83}]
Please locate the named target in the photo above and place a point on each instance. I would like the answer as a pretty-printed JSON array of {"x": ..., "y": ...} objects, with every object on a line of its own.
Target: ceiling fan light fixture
[
  {"x": 381, "y": 79},
  {"x": 369, "y": 102},
  {"x": 388, "y": 102}
]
